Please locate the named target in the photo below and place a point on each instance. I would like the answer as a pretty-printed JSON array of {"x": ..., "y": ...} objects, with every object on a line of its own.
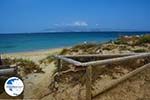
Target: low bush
[
  {"x": 47, "y": 60},
  {"x": 145, "y": 39},
  {"x": 139, "y": 50},
  {"x": 27, "y": 65},
  {"x": 119, "y": 41}
]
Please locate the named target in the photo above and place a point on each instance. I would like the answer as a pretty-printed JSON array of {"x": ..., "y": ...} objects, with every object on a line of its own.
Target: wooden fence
[
  {"x": 6, "y": 70},
  {"x": 105, "y": 59}
]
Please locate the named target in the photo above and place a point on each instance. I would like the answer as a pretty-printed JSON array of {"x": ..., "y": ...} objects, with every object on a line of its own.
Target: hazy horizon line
[{"x": 70, "y": 32}]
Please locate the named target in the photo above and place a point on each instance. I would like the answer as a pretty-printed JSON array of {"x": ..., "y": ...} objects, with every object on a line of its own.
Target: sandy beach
[
  {"x": 36, "y": 84},
  {"x": 33, "y": 55}
]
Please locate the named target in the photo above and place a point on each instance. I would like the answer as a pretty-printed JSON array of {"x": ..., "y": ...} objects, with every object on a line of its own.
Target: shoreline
[
  {"x": 35, "y": 56},
  {"x": 36, "y": 42},
  {"x": 34, "y": 51}
]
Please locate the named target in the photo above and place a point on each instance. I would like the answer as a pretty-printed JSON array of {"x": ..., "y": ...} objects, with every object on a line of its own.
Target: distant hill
[{"x": 72, "y": 29}]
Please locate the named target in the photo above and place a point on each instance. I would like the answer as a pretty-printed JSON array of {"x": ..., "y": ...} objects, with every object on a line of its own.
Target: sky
[{"x": 19, "y": 16}]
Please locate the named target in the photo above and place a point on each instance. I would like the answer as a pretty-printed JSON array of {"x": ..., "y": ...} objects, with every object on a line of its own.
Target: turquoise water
[{"x": 36, "y": 41}]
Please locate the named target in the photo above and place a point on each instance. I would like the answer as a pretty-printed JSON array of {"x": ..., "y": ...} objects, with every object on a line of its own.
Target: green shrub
[
  {"x": 28, "y": 65},
  {"x": 64, "y": 51},
  {"x": 107, "y": 48},
  {"x": 119, "y": 41},
  {"x": 47, "y": 60},
  {"x": 145, "y": 39},
  {"x": 84, "y": 46},
  {"x": 110, "y": 47},
  {"x": 139, "y": 50}
]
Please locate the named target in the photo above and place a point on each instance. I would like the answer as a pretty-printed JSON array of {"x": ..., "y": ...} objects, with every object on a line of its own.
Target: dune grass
[{"x": 28, "y": 65}]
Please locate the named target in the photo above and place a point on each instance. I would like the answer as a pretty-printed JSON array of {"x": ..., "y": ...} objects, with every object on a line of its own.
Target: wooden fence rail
[
  {"x": 108, "y": 59},
  {"x": 8, "y": 71},
  {"x": 123, "y": 78},
  {"x": 100, "y": 55}
]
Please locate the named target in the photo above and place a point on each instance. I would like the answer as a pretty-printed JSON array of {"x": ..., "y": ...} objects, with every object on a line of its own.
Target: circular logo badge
[{"x": 14, "y": 86}]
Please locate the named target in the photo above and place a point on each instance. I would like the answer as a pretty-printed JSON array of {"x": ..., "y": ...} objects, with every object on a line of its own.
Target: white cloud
[
  {"x": 80, "y": 23},
  {"x": 97, "y": 24},
  {"x": 76, "y": 23}
]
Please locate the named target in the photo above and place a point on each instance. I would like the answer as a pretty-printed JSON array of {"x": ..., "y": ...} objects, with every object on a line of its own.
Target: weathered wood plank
[
  {"x": 8, "y": 71},
  {"x": 88, "y": 83},
  {"x": 58, "y": 65},
  {"x": 99, "y": 55},
  {"x": 4, "y": 66},
  {"x": 123, "y": 78},
  {"x": 109, "y": 61},
  {"x": 0, "y": 60},
  {"x": 77, "y": 63},
  {"x": 106, "y": 61}
]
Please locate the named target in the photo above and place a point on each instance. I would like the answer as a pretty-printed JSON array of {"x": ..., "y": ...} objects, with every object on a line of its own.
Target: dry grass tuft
[{"x": 27, "y": 66}]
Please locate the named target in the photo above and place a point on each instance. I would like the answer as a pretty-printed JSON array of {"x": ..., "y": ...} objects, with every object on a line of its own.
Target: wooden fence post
[
  {"x": 88, "y": 82},
  {"x": 58, "y": 65},
  {"x": 0, "y": 60}
]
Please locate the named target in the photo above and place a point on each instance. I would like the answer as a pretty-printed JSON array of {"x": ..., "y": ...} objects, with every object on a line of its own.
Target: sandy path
[{"x": 36, "y": 84}]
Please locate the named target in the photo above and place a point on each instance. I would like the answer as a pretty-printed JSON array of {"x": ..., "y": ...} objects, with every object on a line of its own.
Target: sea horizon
[
  {"x": 28, "y": 42},
  {"x": 75, "y": 32}
]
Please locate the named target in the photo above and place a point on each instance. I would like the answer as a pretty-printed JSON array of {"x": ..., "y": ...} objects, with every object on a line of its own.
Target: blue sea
[{"x": 10, "y": 43}]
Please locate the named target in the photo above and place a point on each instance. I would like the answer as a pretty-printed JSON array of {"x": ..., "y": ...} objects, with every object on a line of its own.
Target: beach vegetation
[
  {"x": 88, "y": 48},
  {"x": 26, "y": 65},
  {"x": 84, "y": 46},
  {"x": 145, "y": 39},
  {"x": 79, "y": 49},
  {"x": 133, "y": 40},
  {"x": 109, "y": 47},
  {"x": 124, "y": 47},
  {"x": 64, "y": 51},
  {"x": 139, "y": 50},
  {"x": 120, "y": 41},
  {"x": 46, "y": 60}
]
